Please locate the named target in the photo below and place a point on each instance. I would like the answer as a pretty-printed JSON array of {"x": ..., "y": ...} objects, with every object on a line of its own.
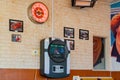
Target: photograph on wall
[
  {"x": 16, "y": 38},
  {"x": 98, "y": 53},
  {"x": 15, "y": 25},
  {"x": 68, "y": 32},
  {"x": 115, "y": 37},
  {"x": 83, "y": 34},
  {"x": 71, "y": 43}
]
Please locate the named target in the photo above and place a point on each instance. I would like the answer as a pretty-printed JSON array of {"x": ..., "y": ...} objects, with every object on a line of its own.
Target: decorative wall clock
[{"x": 38, "y": 12}]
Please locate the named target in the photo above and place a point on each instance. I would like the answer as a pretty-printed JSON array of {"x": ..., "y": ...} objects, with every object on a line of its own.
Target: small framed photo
[
  {"x": 83, "y": 34},
  {"x": 71, "y": 43},
  {"x": 16, "y": 38},
  {"x": 15, "y": 25},
  {"x": 68, "y": 32}
]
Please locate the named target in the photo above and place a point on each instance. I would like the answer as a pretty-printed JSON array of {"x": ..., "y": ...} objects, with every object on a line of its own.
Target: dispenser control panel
[{"x": 57, "y": 69}]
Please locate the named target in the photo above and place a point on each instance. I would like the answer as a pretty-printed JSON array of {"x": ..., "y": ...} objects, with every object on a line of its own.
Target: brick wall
[{"x": 19, "y": 54}]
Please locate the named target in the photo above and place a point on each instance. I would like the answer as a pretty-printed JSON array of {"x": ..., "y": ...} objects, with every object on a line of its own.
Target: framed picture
[
  {"x": 15, "y": 25},
  {"x": 84, "y": 34},
  {"x": 16, "y": 38},
  {"x": 68, "y": 32},
  {"x": 71, "y": 43}
]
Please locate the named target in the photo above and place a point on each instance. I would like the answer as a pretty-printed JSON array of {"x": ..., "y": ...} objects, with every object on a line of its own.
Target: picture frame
[
  {"x": 16, "y": 38},
  {"x": 83, "y": 34},
  {"x": 71, "y": 43},
  {"x": 68, "y": 32},
  {"x": 15, "y": 25}
]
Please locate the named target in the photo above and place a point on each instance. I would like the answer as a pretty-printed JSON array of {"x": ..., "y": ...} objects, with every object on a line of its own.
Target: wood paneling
[
  {"x": 116, "y": 75},
  {"x": 17, "y": 74},
  {"x": 34, "y": 74}
]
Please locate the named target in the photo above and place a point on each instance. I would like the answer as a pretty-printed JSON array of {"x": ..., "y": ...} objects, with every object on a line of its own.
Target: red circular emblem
[{"x": 38, "y": 12}]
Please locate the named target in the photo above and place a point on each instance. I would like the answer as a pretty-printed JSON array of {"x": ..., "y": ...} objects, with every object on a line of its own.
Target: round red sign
[{"x": 38, "y": 12}]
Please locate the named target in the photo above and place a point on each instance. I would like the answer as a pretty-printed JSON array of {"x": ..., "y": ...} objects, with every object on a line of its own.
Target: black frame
[
  {"x": 72, "y": 46},
  {"x": 68, "y": 32},
  {"x": 92, "y": 3},
  {"x": 83, "y": 34},
  {"x": 15, "y": 25}
]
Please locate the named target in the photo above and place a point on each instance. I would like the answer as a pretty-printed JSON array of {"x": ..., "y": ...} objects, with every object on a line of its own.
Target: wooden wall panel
[
  {"x": 17, "y": 74},
  {"x": 90, "y": 73},
  {"x": 116, "y": 75},
  {"x": 34, "y": 74},
  {"x": 38, "y": 76}
]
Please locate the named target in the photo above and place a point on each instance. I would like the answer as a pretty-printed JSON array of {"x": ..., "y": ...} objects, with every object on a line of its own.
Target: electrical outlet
[
  {"x": 35, "y": 52},
  {"x": 76, "y": 78}
]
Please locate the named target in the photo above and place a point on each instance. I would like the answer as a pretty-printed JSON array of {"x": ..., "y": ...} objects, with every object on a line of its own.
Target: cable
[{"x": 52, "y": 32}]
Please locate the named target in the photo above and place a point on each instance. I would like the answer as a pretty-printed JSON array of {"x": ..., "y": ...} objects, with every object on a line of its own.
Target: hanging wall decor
[
  {"x": 38, "y": 12},
  {"x": 115, "y": 35},
  {"x": 83, "y": 34},
  {"x": 71, "y": 43},
  {"x": 15, "y": 25},
  {"x": 68, "y": 32},
  {"x": 83, "y": 3},
  {"x": 16, "y": 38}
]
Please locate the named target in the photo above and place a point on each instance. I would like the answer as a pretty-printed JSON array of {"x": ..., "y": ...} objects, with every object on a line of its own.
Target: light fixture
[{"x": 83, "y": 3}]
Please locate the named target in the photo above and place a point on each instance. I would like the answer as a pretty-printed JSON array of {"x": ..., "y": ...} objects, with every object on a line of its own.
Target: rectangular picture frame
[
  {"x": 16, "y": 38},
  {"x": 83, "y": 34},
  {"x": 71, "y": 43},
  {"x": 68, "y": 32},
  {"x": 15, "y": 25}
]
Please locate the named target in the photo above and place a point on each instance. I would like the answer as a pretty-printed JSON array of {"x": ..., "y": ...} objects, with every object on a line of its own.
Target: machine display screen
[{"x": 57, "y": 49}]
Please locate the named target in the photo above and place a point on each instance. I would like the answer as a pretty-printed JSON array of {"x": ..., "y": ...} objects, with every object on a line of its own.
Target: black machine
[{"x": 55, "y": 58}]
